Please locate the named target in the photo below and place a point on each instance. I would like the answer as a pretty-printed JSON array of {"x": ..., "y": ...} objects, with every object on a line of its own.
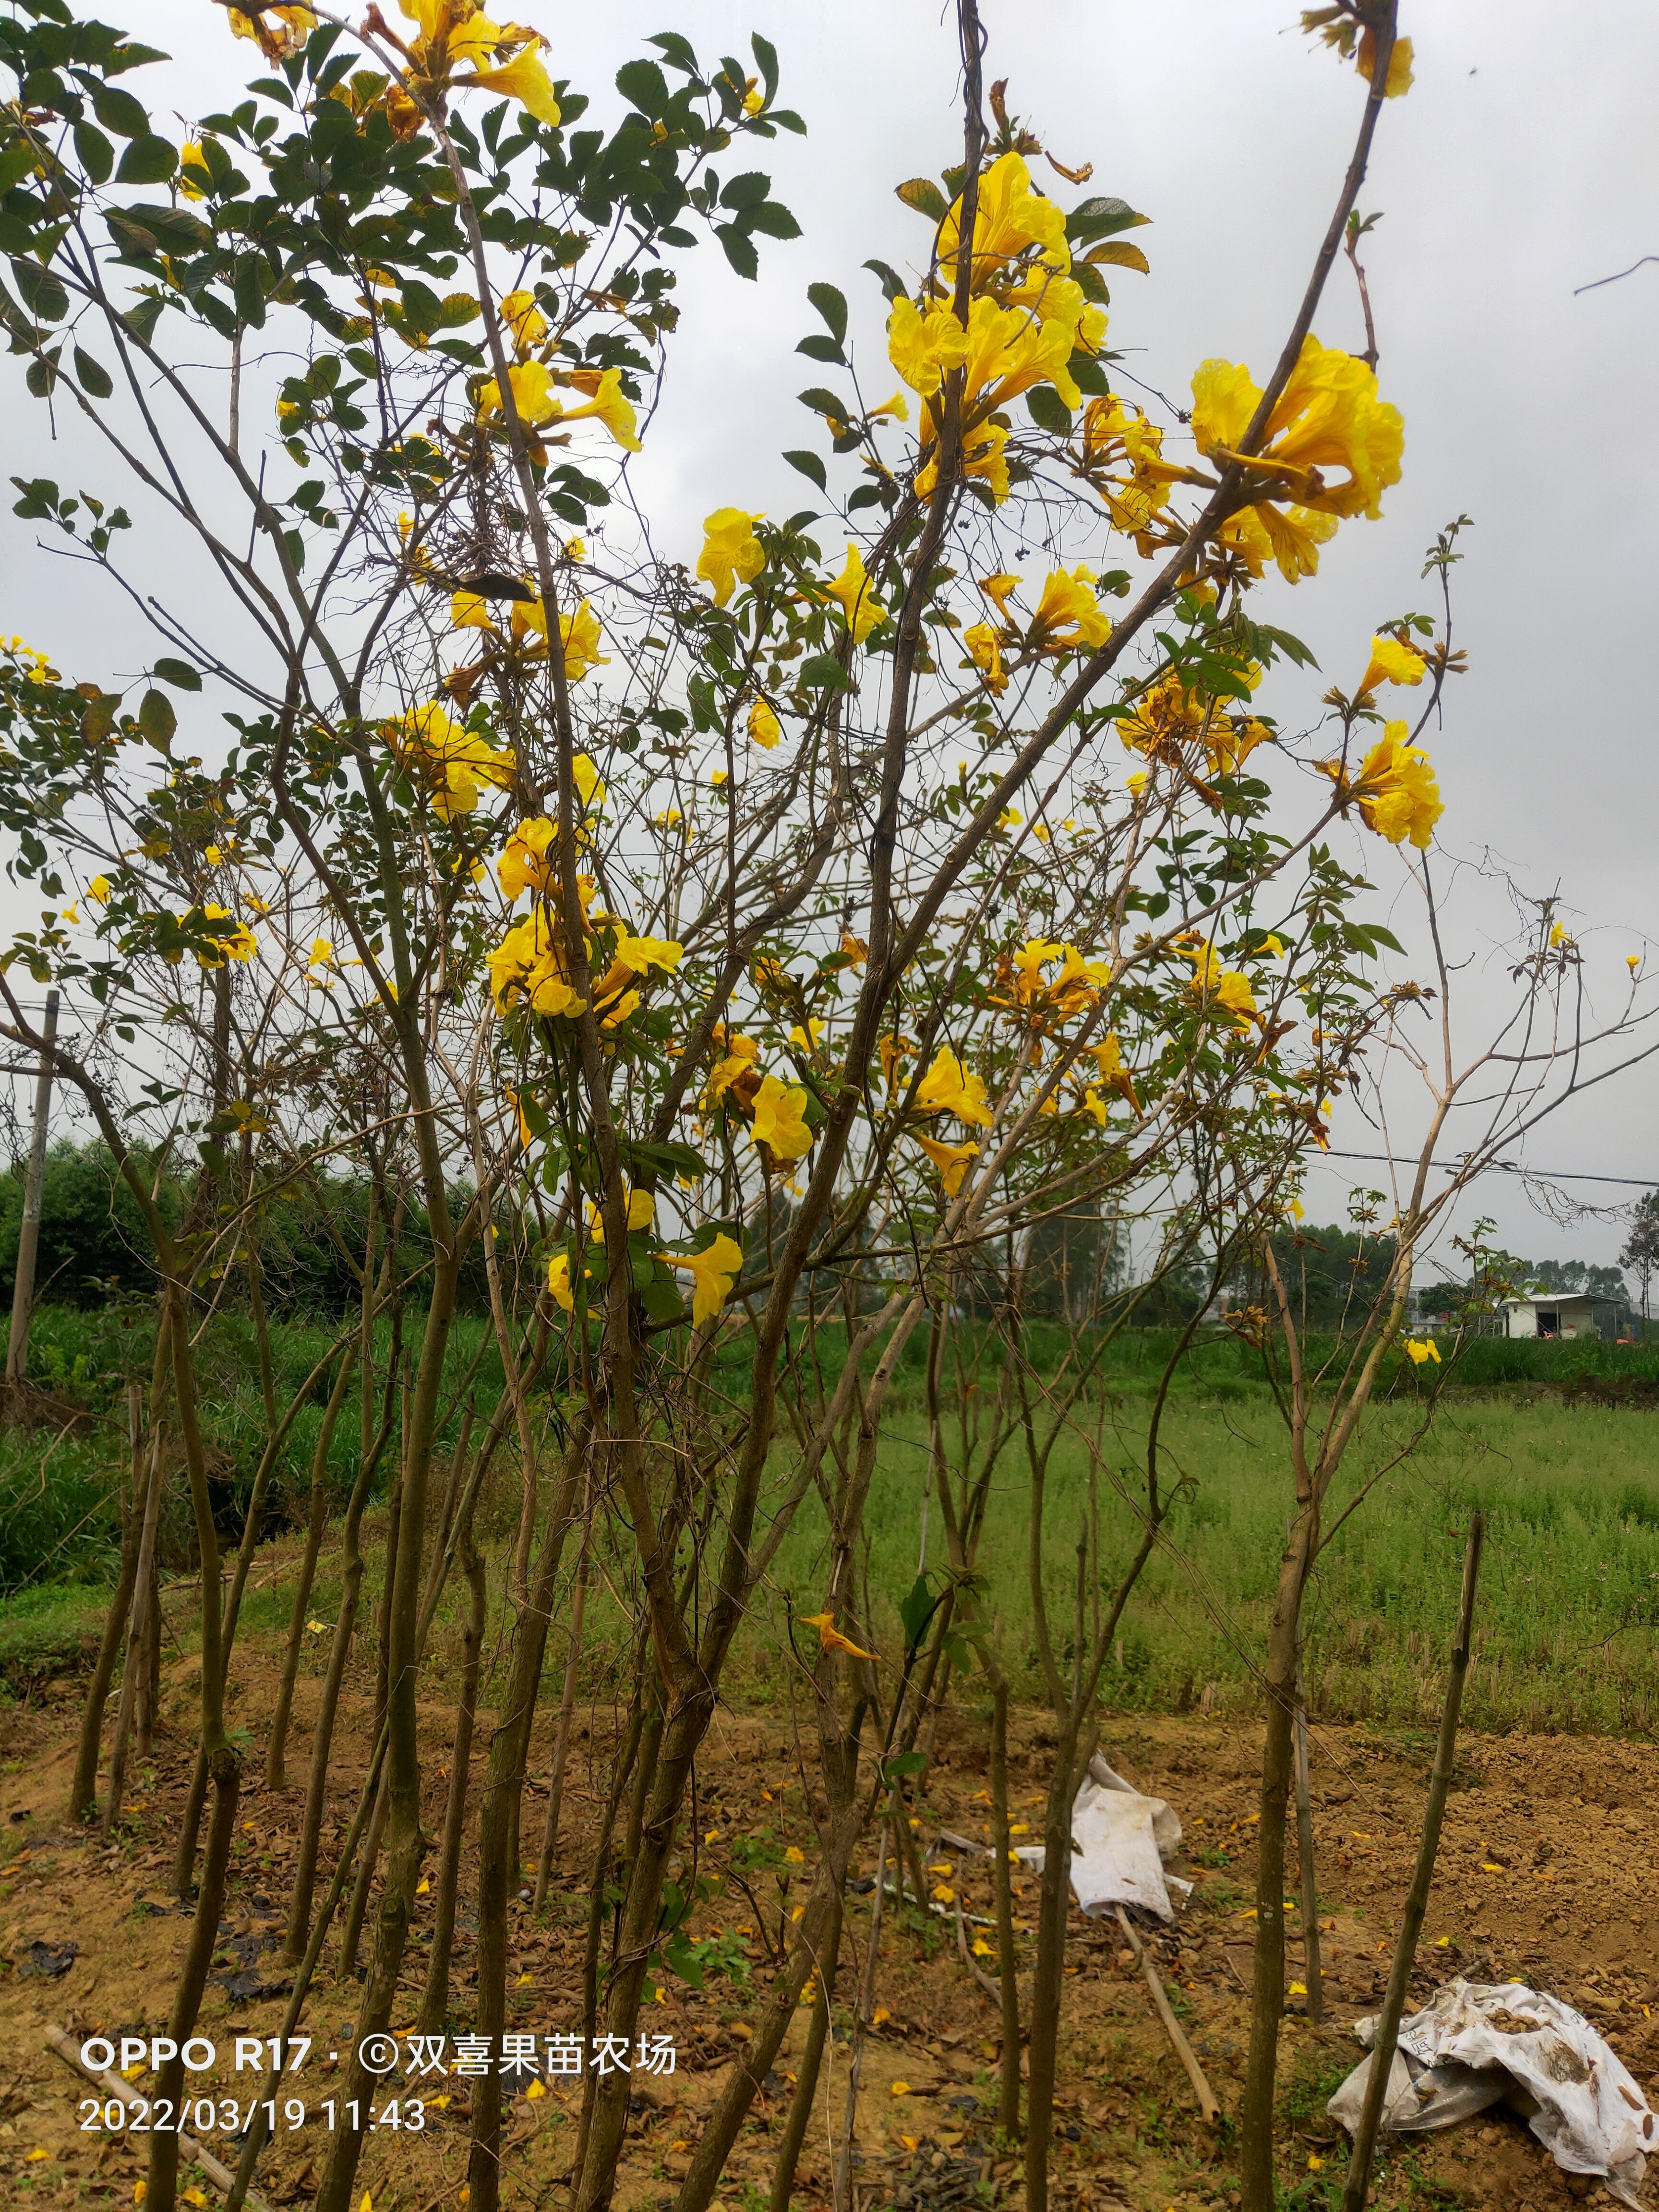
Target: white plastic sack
[
  {"x": 1481, "y": 2041},
  {"x": 1120, "y": 1841}
]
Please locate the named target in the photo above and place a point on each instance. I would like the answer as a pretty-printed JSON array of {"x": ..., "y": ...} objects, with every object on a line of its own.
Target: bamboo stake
[
  {"x": 1312, "y": 1966},
  {"x": 1388, "y": 2026},
  {"x": 113, "y": 2086},
  {"x": 1184, "y": 2051}
]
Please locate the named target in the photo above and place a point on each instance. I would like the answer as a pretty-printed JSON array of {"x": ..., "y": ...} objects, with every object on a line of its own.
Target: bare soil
[{"x": 1547, "y": 1875}]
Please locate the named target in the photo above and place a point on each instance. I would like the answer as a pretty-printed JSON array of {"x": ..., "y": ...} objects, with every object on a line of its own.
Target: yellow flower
[
  {"x": 764, "y": 728},
  {"x": 469, "y": 610},
  {"x": 525, "y": 319},
  {"x": 527, "y": 863},
  {"x": 985, "y": 654},
  {"x": 190, "y": 156},
  {"x": 98, "y": 889},
  {"x": 609, "y": 402},
  {"x": 1225, "y": 988},
  {"x": 1328, "y": 417},
  {"x": 1010, "y": 218},
  {"x": 899, "y": 2088},
  {"x": 1391, "y": 662},
  {"x": 1167, "y": 718},
  {"x": 795, "y": 1856},
  {"x": 831, "y": 1637},
  {"x": 450, "y": 760},
  {"x": 1400, "y": 63},
  {"x": 1396, "y": 792},
  {"x": 525, "y": 79},
  {"x": 527, "y": 967},
  {"x": 780, "y": 1121},
  {"x": 558, "y": 1282},
  {"x": 852, "y": 588},
  {"x": 1422, "y": 1348},
  {"x": 1068, "y": 614},
  {"x": 732, "y": 554},
  {"x": 240, "y": 944},
  {"x": 925, "y": 345},
  {"x": 952, "y": 1161},
  {"x": 533, "y": 395},
  {"x": 280, "y": 31},
  {"x": 949, "y": 1088},
  {"x": 713, "y": 1271}
]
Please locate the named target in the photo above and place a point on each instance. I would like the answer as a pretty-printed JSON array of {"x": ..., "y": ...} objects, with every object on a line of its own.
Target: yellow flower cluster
[
  {"x": 456, "y": 36},
  {"x": 579, "y": 631},
  {"x": 451, "y": 762},
  {"x": 536, "y": 400},
  {"x": 1397, "y": 794},
  {"x": 1069, "y": 618},
  {"x": 1328, "y": 417},
  {"x": 1168, "y": 722},
  {"x": 1027, "y": 318}
]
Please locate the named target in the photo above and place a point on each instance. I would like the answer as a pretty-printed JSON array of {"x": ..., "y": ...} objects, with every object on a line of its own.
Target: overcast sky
[{"x": 1522, "y": 165}]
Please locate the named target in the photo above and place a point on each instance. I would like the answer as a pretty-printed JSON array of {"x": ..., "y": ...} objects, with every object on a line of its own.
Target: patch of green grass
[{"x": 48, "y": 1632}]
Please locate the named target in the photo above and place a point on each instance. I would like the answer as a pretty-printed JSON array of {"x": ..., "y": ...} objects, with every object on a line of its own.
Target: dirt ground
[{"x": 1546, "y": 1874}]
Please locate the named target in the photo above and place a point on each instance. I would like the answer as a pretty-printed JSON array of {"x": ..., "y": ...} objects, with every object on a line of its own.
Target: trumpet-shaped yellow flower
[
  {"x": 533, "y": 395},
  {"x": 1422, "y": 1348},
  {"x": 240, "y": 944},
  {"x": 831, "y": 1637},
  {"x": 527, "y": 967},
  {"x": 1400, "y": 64},
  {"x": 578, "y": 631},
  {"x": 1010, "y": 219},
  {"x": 732, "y": 554},
  {"x": 949, "y": 1087},
  {"x": 985, "y": 654},
  {"x": 952, "y": 1161},
  {"x": 1068, "y": 614},
  {"x": 851, "y": 587},
  {"x": 452, "y": 762},
  {"x": 608, "y": 403},
  {"x": 190, "y": 156},
  {"x": 98, "y": 889},
  {"x": 1225, "y": 988},
  {"x": 471, "y": 611},
  {"x": 1168, "y": 720},
  {"x": 1328, "y": 417},
  {"x": 925, "y": 344},
  {"x": 764, "y": 728},
  {"x": 780, "y": 1121},
  {"x": 740, "y": 1054},
  {"x": 280, "y": 32},
  {"x": 713, "y": 1271},
  {"x": 525, "y": 319},
  {"x": 1391, "y": 662},
  {"x": 1395, "y": 789},
  {"x": 527, "y": 863}
]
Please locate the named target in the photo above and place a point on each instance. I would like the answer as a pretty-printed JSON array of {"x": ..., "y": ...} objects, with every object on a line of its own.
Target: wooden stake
[
  {"x": 1388, "y": 2026},
  {"x": 1304, "y": 1851},
  {"x": 1184, "y": 2051},
  {"x": 113, "y": 2086}
]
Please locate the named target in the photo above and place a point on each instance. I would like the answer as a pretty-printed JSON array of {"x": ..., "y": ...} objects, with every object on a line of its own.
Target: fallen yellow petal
[
  {"x": 901, "y": 2088},
  {"x": 35, "y": 2154},
  {"x": 536, "y": 2089},
  {"x": 422, "y": 1888},
  {"x": 879, "y": 2014}
]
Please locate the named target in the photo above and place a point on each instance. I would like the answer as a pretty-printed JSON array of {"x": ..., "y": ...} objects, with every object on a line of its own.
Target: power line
[{"x": 1508, "y": 1167}]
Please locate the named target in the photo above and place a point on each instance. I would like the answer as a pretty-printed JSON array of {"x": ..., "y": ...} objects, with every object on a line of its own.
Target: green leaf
[
  {"x": 92, "y": 376},
  {"x": 740, "y": 250},
  {"x": 832, "y": 306},
  {"x": 773, "y": 220},
  {"x": 1100, "y": 218},
  {"x": 644, "y": 83},
  {"x": 43, "y": 295},
  {"x": 766, "y": 54},
  {"x": 148, "y": 161},
  {"x": 915, "y": 1610},
  {"x": 1047, "y": 409},
  {"x": 97, "y": 155},
  {"x": 179, "y": 674},
  {"x": 819, "y": 348},
  {"x": 923, "y": 194},
  {"x": 156, "y": 719},
  {"x": 120, "y": 112},
  {"x": 893, "y": 285},
  {"x": 824, "y": 673},
  {"x": 42, "y": 376},
  {"x": 747, "y": 190},
  {"x": 811, "y": 467},
  {"x": 904, "y": 1763},
  {"x": 825, "y": 402}
]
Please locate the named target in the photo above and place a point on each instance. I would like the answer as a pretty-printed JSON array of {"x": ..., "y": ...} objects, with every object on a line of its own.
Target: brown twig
[
  {"x": 113, "y": 2086},
  {"x": 1184, "y": 2051}
]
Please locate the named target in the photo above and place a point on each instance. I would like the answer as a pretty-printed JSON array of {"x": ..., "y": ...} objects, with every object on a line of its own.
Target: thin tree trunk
[
  {"x": 867, "y": 1995},
  {"x": 137, "y": 1658},
  {"x": 1308, "y": 1866},
  {"x": 1007, "y": 1963},
  {"x": 225, "y": 1773},
  {"x": 498, "y": 1825},
  {"x": 83, "y": 1791},
  {"x": 1416, "y": 1901},
  {"x": 811, "y": 2062},
  {"x": 149, "y": 1681},
  {"x": 562, "y": 1740},
  {"x": 351, "y": 1928},
  {"x": 317, "y": 1521},
  {"x": 435, "y": 2004}
]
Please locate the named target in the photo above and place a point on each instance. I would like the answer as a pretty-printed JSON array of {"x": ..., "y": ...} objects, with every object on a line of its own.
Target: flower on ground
[{"x": 732, "y": 554}]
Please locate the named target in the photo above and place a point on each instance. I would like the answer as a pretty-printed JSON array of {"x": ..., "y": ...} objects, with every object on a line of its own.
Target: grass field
[{"x": 1570, "y": 1597}]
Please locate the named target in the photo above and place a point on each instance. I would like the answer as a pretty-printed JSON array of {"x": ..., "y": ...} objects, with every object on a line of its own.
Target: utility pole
[{"x": 28, "y": 1236}]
